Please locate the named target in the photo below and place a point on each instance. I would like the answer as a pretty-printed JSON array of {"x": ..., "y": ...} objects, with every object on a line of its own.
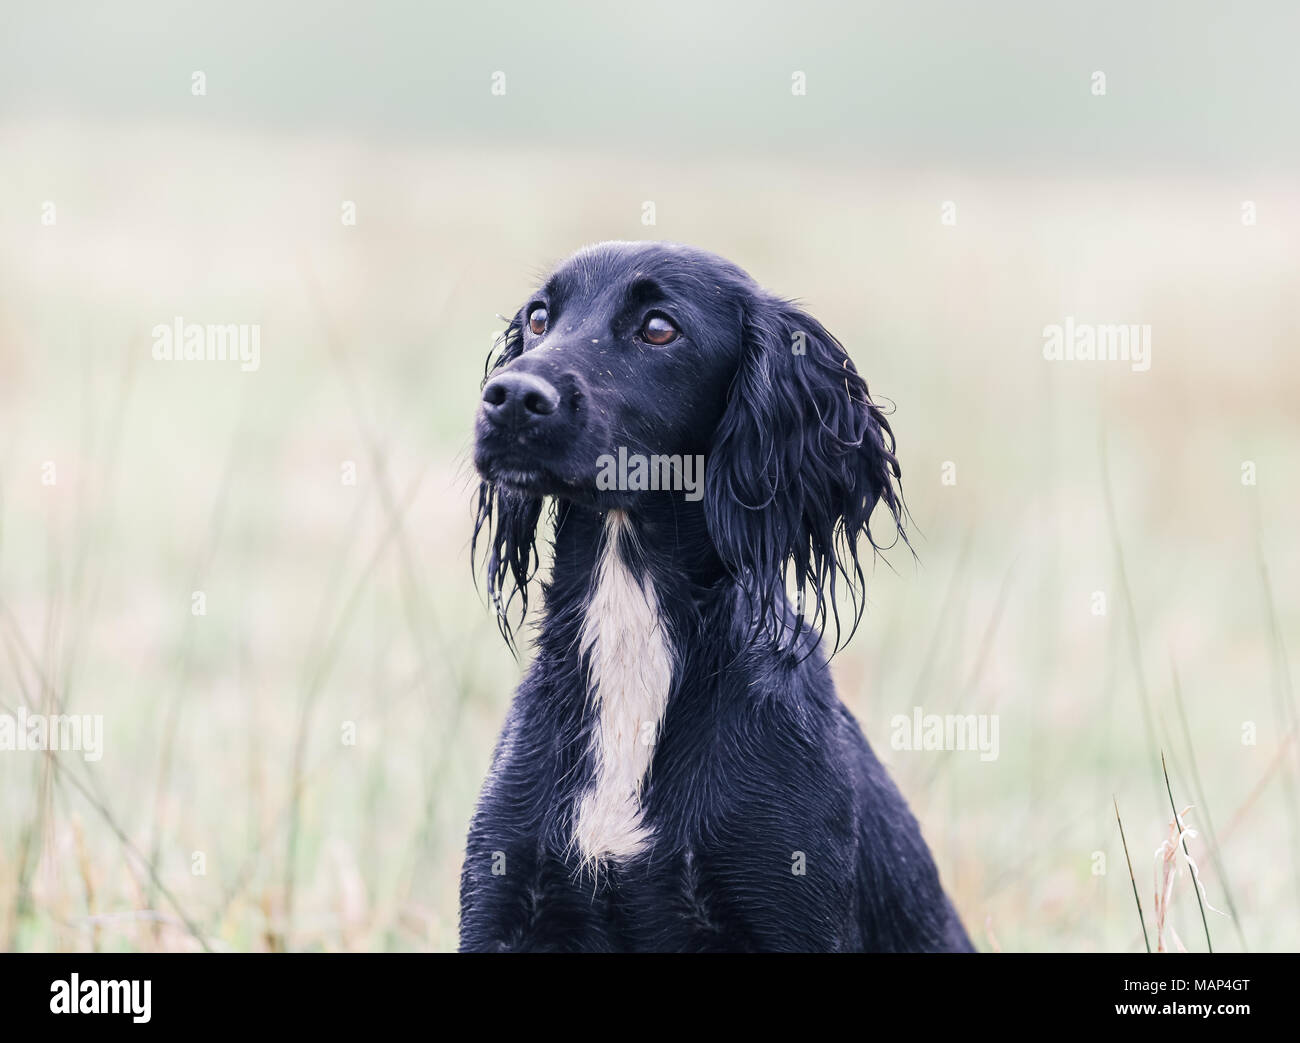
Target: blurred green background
[{"x": 333, "y": 607}]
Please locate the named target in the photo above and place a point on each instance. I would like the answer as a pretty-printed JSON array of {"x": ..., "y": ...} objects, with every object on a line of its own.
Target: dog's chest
[{"x": 629, "y": 671}]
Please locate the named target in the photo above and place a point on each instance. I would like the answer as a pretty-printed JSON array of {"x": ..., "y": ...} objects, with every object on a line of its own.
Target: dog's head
[{"x": 636, "y": 362}]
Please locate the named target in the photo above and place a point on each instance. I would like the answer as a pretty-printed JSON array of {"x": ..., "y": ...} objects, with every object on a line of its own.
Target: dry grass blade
[
  {"x": 1215, "y": 849},
  {"x": 1279, "y": 756},
  {"x": 1135, "y": 640},
  {"x": 1285, "y": 707},
  {"x": 1182, "y": 837}
]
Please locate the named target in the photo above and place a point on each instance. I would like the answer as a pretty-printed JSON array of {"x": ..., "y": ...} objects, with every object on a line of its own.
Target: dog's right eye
[
  {"x": 537, "y": 321},
  {"x": 659, "y": 330}
]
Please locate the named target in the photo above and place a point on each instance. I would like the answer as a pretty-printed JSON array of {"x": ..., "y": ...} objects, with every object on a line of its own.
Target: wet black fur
[{"x": 758, "y": 767}]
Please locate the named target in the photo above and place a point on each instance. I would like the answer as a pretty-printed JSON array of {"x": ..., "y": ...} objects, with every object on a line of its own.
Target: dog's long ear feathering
[
  {"x": 801, "y": 458},
  {"x": 505, "y": 519}
]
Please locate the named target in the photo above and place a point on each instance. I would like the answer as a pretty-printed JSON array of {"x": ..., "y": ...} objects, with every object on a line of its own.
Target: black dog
[{"x": 676, "y": 772}]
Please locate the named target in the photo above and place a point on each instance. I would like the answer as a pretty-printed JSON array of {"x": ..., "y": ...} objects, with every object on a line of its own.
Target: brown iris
[
  {"x": 537, "y": 321},
  {"x": 658, "y": 329}
]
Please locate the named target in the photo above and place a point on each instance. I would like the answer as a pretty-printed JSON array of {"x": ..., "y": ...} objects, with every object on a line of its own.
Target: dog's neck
[
  {"x": 628, "y": 584},
  {"x": 624, "y": 641},
  {"x": 624, "y": 594},
  {"x": 666, "y": 539}
]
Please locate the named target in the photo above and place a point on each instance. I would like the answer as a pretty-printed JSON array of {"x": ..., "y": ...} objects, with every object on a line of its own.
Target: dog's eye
[
  {"x": 537, "y": 321},
  {"x": 658, "y": 329}
]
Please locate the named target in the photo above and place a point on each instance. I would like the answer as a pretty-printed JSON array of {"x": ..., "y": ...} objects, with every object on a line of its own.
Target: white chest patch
[{"x": 630, "y": 672}]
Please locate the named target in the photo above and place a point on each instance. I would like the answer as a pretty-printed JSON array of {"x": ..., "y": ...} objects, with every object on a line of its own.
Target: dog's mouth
[
  {"x": 525, "y": 482},
  {"x": 533, "y": 481},
  {"x": 526, "y": 478}
]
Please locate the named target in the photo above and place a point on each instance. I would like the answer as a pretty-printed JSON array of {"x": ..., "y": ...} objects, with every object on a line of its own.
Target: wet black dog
[{"x": 676, "y": 771}]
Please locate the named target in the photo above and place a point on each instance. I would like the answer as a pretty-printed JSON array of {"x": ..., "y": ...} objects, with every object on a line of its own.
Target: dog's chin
[
  {"x": 524, "y": 482},
  {"x": 536, "y": 483},
  {"x": 518, "y": 482}
]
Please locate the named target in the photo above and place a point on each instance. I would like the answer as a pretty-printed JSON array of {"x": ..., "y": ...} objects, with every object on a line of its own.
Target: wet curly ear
[
  {"x": 505, "y": 520},
  {"x": 507, "y": 347},
  {"x": 799, "y": 462}
]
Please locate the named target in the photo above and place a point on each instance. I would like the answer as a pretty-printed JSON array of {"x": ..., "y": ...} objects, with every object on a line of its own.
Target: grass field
[{"x": 338, "y": 611}]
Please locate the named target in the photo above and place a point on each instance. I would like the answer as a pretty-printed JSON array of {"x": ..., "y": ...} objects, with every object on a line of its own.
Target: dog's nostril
[
  {"x": 494, "y": 394},
  {"x": 539, "y": 403}
]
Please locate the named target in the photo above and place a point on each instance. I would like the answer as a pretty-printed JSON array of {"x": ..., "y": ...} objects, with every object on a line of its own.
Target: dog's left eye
[
  {"x": 658, "y": 329},
  {"x": 537, "y": 321}
]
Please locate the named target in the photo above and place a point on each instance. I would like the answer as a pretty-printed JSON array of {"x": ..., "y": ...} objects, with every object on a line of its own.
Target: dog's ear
[
  {"x": 507, "y": 347},
  {"x": 801, "y": 458},
  {"x": 505, "y": 520}
]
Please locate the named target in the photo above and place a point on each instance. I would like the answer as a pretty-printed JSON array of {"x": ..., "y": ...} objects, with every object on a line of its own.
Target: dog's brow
[{"x": 644, "y": 288}]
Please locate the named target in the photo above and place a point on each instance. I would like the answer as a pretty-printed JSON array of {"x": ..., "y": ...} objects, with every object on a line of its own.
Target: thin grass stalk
[
  {"x": 1132, "y": 878},
  {"x": 1178, "y": 824}
]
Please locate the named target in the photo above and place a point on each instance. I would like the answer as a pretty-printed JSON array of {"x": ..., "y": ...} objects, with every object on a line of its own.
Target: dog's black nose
[{"x": 519, "y": 398}]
